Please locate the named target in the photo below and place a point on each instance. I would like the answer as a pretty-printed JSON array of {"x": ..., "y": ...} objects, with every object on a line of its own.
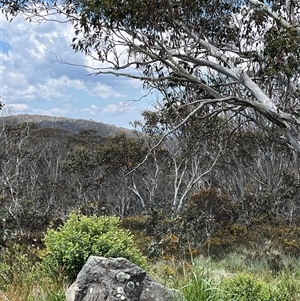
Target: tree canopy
[{"x": 238, "y": 59}]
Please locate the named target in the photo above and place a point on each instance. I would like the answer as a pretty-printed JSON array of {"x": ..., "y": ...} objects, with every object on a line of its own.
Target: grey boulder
[{"x": 115, "y": 279}]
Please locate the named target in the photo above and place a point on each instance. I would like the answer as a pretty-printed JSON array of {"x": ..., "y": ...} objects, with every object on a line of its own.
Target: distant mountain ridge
[{"x": 73, "y": 126}]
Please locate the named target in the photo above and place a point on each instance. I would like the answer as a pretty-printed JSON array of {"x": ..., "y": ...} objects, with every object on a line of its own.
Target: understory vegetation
[
  {"x": 214, "y": 224},
  {"x": 238, "y": 276}
]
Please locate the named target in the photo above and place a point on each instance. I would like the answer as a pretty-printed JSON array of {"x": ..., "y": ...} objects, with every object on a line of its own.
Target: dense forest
[{"x": 208, "y": 184}]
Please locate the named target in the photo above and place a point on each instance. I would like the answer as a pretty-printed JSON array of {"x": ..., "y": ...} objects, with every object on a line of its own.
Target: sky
[{"x": 33, "y": 82}]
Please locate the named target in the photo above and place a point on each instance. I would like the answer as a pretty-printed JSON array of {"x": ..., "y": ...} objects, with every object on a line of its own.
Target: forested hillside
[
  {"x": 214, "y": 184},
  {"x": 74, "y": 126}
]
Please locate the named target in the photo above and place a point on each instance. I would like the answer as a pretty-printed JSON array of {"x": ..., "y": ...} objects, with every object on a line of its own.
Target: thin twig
[
  {"x": 4, "y": 296},
  {"x": 184, "y": 121}
]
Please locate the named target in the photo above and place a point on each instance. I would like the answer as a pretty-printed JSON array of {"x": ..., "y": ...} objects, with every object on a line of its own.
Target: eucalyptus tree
[
  {"x": 240, "y": 57},
  {"x": 191, "y": 152},
  {"x": 261, "y": 175},
  {"x": 81, "y": 165},
  {"x": 132, "y": 185},
  {"x": 17, "y": 182}
]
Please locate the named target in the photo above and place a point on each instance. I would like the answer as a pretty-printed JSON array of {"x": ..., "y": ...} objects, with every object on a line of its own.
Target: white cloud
[
  {"x": 29, "y": 59},
  {"x": 116, "y": 108},
  {"x": 92, "y": 110},
  {"x": 31, "y": 69},
  {"x": 33, "y": 81},
  {"x": 103, "y": 91},
  {"x": 16, "y": 108},
  {"x": 111, "y": 108}
]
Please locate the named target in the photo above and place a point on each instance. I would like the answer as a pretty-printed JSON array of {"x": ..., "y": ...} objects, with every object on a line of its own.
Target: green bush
[
  {"x": 69, "y": 247},
  {"x": 244, "y": 287}
]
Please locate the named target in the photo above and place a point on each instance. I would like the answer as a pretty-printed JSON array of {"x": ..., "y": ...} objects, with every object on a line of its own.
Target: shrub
[
  {"x": 137, "y": 226},
  {"x": 244, "y": 287},
  {"x": 69, "y": 247}
]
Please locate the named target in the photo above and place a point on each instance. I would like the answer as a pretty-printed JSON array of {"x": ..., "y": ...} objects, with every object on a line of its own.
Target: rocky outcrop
[{"x": 115, "y": 279}]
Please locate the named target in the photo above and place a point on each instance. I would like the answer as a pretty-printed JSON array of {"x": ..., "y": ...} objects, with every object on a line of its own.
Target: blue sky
[{"x": 32, "y": 82}]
